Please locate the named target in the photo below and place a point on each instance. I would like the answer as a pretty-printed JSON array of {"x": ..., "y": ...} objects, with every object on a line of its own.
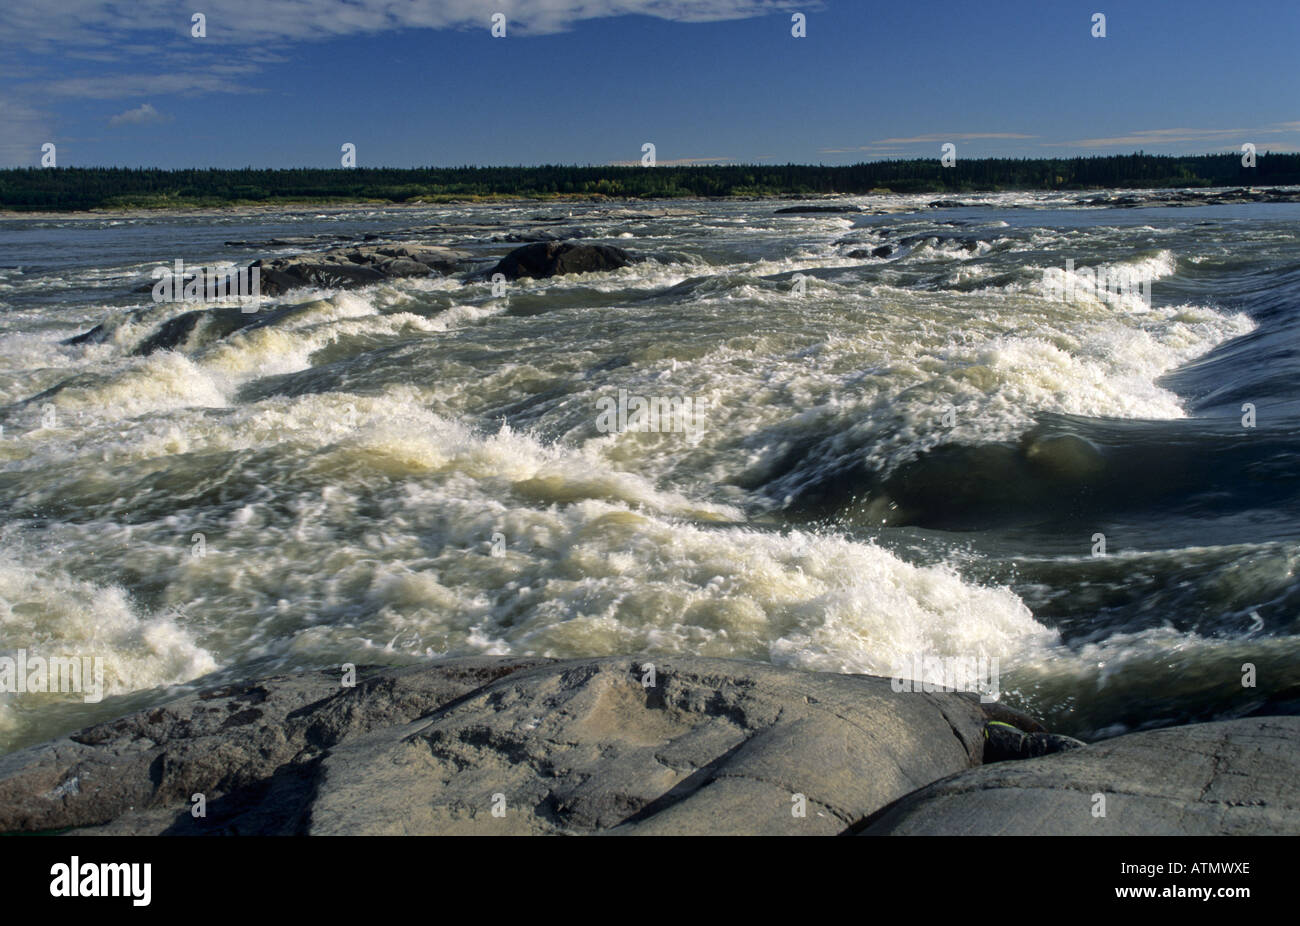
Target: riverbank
[{"x": 825, "y": 203}]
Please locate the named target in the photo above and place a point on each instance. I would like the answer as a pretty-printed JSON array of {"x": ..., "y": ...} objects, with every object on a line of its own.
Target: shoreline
[{"x": 1159, "y": 196}]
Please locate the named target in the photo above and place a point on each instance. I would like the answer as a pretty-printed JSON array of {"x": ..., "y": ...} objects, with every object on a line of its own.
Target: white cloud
[
  {"x": 103, "y": 23},
  {"x": 100, "y": 33},
  {"x": 117, "y": 86},
  {"x": 144, "y": 114}
]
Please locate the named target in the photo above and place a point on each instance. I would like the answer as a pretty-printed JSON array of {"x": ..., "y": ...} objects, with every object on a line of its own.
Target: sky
[{"x": 286, "y": 83}]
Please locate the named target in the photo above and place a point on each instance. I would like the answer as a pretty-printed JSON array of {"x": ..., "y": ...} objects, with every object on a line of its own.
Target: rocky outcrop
[
  {"x": 1212, "y": 779},
  {"x": 1146, "y": 198},
  {"x": 253, "y": 750},
  {"x": 554, "y": 258},
  {"x": 580, "y": 746},
  {"x": 358, "y": 266},
  {"x": 339, "y": 268},
  {"x": 623, "y": 746}
]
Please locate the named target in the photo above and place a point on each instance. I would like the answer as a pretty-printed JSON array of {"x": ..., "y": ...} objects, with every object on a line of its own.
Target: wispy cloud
[
  {"x": 951, "y": 136},
  {"x": 121, "y": 86},
  {"x": 93, "y": 49},
  {"x": 674, "y": 162},
  {"x": 1152, "y": 137},
  {"x": 101, "y": 23},
  {"x": 897, "y": 145}
]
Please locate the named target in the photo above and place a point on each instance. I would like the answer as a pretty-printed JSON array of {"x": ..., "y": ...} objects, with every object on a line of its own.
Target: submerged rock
[
  {"x": 529, "y": 237},
  {"x": 96, "y": 335},
  {"x": 555, "y": 258},
  {"x": 176, "y": 332},
  {"x": 812, "y": 210}
]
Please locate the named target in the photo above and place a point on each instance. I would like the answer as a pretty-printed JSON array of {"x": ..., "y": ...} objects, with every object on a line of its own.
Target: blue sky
[{"x": 285, "y": 83}]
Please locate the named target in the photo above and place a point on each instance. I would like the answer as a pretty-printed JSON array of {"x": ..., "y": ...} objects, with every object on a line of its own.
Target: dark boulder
[
  {"x": 280, "y": 276},
  {"x": 176, "y": 332},
  {"x": 555, "y": 258},
  {"x": 883, "y": 250}
]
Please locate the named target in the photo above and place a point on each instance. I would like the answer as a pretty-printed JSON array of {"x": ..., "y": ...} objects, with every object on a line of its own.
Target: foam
[{"x": 50, "y": 613}]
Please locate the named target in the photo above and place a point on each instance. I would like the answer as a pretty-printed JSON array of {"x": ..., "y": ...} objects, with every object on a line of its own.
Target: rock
[
  {"x": 193, "y": 329},
  {"x": 1004, "y": 741},
  {"x": 883, "y": 250},
  {"x": 252, "y": 749},
  {"x": 179, "y": 282},
  {"x": 811, "y": 210},
  {"x": 96, "y": 335},
  {"x": 357, "y": 266},
  {"x": 554, "y": 258},
  {"x": 342, "y": 267},
  {"x": 576, "y": 746},
  {"x": 529, "y": 237},
  {"x": 298, "y": 242},
  {"x": 178, "y": 331},
  {"x": 1225, "y": 778},
  {"x": 1144, "y": 198}
]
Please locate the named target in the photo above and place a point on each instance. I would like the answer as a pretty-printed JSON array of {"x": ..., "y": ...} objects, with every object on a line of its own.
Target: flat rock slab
[
  {"x": 1212, "y": 779},
  {"x": 503, "y": 745},
  {"x": 713, "y": 746}
]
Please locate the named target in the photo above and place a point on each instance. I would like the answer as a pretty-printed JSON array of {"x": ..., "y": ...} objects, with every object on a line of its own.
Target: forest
[{"x": 83, "y": 188}]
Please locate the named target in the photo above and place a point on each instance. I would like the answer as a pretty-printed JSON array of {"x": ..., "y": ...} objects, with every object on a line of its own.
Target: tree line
[{"x": 78, "y": 188}]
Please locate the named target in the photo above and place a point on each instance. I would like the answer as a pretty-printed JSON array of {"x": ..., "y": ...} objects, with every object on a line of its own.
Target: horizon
[{"x": 589, "y": 83}]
